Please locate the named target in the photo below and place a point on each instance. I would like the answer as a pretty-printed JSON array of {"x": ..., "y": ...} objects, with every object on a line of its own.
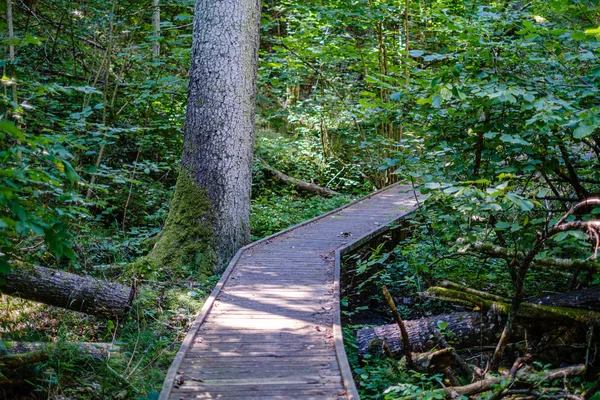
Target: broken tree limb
[
  {"x": 405, "y": 339},
  {"x": 297, "y": 183},
  {"x": 490, "y": 383},
  {"x": 466, "y": 370},
  {"x": 70, "y": 291},
  {"x": 433, "y": 361}
]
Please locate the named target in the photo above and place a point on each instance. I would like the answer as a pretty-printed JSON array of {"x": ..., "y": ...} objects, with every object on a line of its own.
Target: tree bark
[
  {"x": 70, "y": 291},
  {"x": 219, "y": 131},
  {"x": 156, "y": 26}
]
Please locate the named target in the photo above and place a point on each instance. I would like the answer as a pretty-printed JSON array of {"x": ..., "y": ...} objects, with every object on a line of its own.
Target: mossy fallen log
[
  {"x": 481, "y": 327},
  {"x": 70, "y": 291},
  {"x": 558, "y": 264},
  {"x": 12, "y": 361},
  {"x": 18, "y": 360},
  {"x": 526, "y": 310}
]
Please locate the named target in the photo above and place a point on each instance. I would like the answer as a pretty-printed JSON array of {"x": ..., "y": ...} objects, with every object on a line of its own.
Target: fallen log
[
  {"x": 588, "y": 299},
  {"x": 559, "y": 264},
  {"x": 18, "y": 358},
  {"x": 466, "y": 328},
  {"x": 297, "y": 183},
  {"x": 98, "y": 351},
  {"x": 70, "y": 291},
  {"x": 477, "y": 328},
  {"x": 526, "y": 310}
]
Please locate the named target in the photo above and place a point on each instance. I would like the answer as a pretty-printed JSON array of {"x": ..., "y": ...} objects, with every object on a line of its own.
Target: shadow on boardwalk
[{"x": 271, "y": 329}]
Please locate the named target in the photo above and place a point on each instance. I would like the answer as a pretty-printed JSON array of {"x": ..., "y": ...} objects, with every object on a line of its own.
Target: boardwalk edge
[
  {"x": 338, "y": 338},
  {"x": 338, "y": 334}
]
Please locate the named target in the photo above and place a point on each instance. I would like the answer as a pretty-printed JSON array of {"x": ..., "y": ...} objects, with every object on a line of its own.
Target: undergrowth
[
  {"x": 167, "y": 301},
  {"x": 407, "y": 269}
]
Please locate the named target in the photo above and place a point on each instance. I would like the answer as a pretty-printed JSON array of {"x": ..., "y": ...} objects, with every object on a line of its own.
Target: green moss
[
  {"x": 527, "y": 310},
  {"x": 186, "y": 243}
]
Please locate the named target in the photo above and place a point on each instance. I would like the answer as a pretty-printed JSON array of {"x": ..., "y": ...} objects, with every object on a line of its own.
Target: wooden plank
[
  {"x": 286, "y": 396},
  {"x": 320, "y": 394},
  {"x": 280, "y": 328},
  {"x": 258, "y": 374},
  {"x": 241, "y": 360},
  {"x": 277, "y": 353},
  {"x": 264, "y": 347}
]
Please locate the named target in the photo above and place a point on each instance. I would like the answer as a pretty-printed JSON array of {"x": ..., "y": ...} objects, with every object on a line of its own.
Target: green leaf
[
  {"x": 561, "y": 236},
  {"x": 594, "y": 31},
  {"x": 69, "y": 253},
  {"x": 446, "y": 94},
  {"x": 502, "y": 225},
  {"x": 523, "y": 204},
  {"x": 396, "y": 96},
  {"x": 442, "y": 325},
  {"x": 12, "y": 130},
  {"x": 30, "y": 39},
  {"x": 4, "y": 265},
  {"x": 584, "y": 129}
]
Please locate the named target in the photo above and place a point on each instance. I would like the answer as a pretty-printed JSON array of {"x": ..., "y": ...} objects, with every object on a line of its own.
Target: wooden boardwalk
[{"x": 271, "y": 327}]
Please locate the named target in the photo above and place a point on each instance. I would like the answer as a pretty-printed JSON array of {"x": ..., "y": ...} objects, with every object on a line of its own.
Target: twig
[{"x": 405, "y": 340}]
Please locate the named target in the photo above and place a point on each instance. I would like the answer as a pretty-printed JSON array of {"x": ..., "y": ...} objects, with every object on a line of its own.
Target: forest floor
[{"x": 166, "y": 304}]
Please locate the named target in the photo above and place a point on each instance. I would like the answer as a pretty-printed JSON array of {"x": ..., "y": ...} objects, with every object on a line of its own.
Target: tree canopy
[{"x": 490, "y": 109}]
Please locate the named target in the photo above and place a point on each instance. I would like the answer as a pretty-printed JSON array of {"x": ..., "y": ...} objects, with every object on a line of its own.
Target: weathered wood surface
[{"x": 271, "y": 328}]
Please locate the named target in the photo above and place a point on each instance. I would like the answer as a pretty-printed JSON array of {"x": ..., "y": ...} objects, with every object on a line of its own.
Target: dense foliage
[{"x": 491, "y": 108}]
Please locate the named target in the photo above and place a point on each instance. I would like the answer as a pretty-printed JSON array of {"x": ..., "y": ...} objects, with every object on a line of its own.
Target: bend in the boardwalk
[{"x": 269, "y": 330}]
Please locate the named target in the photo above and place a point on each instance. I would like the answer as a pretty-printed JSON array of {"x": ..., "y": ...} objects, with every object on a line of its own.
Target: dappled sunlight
[{"x": 272, "y": 326}]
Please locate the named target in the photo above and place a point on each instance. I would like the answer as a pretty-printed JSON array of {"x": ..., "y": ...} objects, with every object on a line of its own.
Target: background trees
[{"x": 491, "y": 108}]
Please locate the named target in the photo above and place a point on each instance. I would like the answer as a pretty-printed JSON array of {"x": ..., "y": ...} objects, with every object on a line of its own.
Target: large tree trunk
[
  {"x": 70, "y": 291},
  {"x": 209, "y": 221}
]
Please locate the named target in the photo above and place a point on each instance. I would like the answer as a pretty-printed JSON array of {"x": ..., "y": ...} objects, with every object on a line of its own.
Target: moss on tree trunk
[{"x": 186, "y": 243}]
